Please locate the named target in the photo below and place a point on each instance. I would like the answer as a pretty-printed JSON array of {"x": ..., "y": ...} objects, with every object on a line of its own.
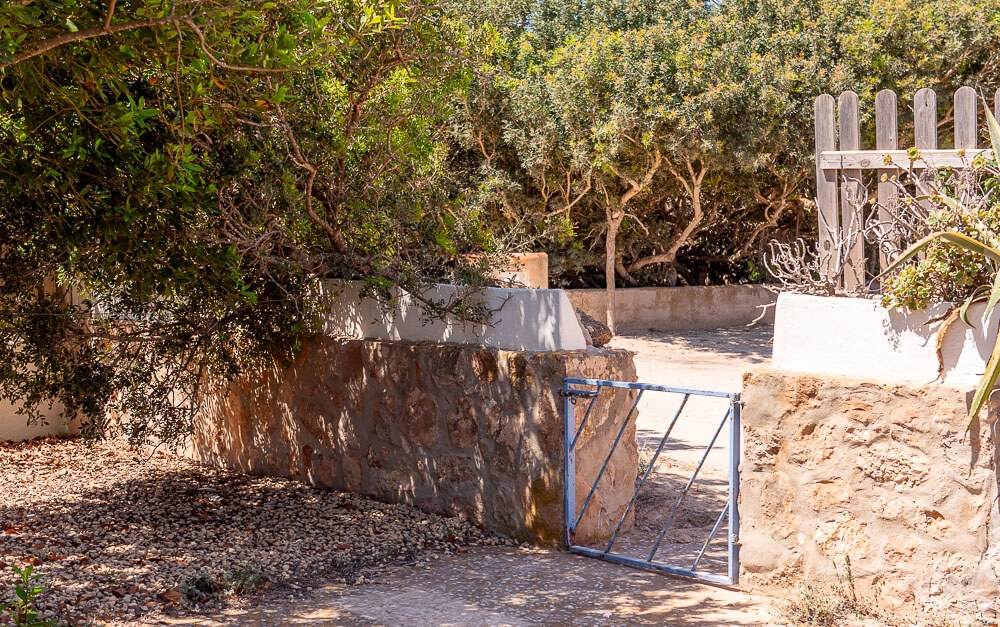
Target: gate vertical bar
[
  {"x": 735, "y": 455},
  {"x": 570, "y": 476}
]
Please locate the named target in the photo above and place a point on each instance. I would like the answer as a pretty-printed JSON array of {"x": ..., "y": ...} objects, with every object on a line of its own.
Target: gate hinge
[{"x": 575, "y": 394}]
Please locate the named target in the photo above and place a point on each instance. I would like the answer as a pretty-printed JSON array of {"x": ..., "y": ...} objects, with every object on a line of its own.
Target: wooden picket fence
[{"x": 839, "y": 168}]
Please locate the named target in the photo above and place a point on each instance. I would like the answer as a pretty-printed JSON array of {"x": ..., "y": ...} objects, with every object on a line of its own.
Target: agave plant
[{"x": 988, "y": 293}]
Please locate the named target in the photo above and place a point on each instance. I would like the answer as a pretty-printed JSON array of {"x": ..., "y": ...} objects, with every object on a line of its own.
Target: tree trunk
[{"x": 610, "y": 248}]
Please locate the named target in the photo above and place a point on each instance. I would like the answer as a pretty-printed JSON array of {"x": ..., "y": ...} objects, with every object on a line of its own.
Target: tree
[
  {"x": 179, "y": 176},
  {"x": 580, "y": 102},
  {"x": 644, "y": 119}
]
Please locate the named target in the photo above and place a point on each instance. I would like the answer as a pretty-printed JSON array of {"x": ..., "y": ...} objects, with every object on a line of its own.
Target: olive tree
[{"x": 576, "y": 102}]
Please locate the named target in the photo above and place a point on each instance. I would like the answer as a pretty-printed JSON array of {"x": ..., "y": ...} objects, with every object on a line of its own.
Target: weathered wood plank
[
  {"x": 851, "y": 211},
  {"x": 925, "y": 119},
  {"x": 826, "y": 180},
  {"x": 876, "y": 159},
  {"x": 886, "y": 139},
  {"x": 966, "y": 118}
]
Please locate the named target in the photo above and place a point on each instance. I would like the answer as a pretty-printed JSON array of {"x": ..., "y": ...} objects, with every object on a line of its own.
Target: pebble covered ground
[{"x": 120, "y": 535}]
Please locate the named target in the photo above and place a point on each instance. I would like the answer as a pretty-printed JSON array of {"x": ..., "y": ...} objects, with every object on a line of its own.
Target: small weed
[
  {"x": 645, "y": 459},
  {"x": 209, "y": 587},
  {"x": 840, "y": 604},
  {"x": 828, "y": 606},
  {"x": 22, "y": 608}
]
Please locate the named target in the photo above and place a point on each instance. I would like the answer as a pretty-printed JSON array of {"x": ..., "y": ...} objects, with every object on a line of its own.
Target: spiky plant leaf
[
  {"x": 982, "y": 293},
  {"x": 986, "y": 384},
  {"x": 991, "y": 123},
  {"x": 952, "y": 238}
]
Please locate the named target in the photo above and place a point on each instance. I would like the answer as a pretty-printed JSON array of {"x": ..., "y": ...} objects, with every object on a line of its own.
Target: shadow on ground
[
  {"x": 507, "y": 586},
  {"x": 752, "y": 345}
]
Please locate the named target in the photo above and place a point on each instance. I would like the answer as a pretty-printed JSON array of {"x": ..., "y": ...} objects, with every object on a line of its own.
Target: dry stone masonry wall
[
  {"x": 454, "y": 429},
  {"x": 884, "y": 474}
]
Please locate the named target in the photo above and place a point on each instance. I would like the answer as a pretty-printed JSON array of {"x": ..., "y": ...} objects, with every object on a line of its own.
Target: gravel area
[{"x": 121, "y": 535}]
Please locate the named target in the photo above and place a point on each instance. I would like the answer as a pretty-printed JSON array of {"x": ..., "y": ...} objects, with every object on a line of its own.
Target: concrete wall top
[
  {"x": 522, "y": 319},
  {"x": 860, "y": 338}
]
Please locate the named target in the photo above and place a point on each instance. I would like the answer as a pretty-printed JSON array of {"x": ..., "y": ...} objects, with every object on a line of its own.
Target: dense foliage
[
  {"x": 191, "y": 170},
  {"x": 657, "y": 138}
]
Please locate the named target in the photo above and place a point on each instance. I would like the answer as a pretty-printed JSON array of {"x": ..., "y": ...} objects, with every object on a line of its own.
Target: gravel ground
[{"x": 119, "y": 534}]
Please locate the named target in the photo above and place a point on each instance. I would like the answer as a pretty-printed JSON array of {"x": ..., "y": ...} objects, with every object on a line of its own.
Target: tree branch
[{"x": 90, "y": 33}]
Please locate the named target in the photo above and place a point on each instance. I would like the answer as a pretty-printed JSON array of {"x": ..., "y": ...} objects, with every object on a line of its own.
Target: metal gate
[{"x": 646, "y": 542}]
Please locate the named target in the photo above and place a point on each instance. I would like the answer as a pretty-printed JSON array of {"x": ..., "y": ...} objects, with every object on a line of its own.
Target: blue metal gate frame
[{"x": 576, "y": 388}]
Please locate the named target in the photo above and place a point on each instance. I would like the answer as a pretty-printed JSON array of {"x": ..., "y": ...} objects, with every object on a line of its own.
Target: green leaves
[
  {"x": 991, "y": 294},
  {"x": 194, "y": 181},
  {"x": 958, "y": 239},
  {"x": 21, "y": 610}
]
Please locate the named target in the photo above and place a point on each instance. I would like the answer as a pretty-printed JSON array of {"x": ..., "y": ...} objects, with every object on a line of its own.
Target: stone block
[{"x": 463, "y": 424}]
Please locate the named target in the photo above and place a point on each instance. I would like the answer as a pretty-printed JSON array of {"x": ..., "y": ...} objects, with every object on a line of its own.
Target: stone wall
[
  {"x": 453, "y": 429},
  {"x": 885, "y": 474}
]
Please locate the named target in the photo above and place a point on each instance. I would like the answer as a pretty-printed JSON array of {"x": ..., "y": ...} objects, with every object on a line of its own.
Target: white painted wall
[
  {"x": 14, "y": 427},
  {"x": 523, "y": 319},
  {"x": 860, "y": 338}
]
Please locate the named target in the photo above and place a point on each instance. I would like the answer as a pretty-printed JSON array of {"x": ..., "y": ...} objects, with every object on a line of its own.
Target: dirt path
[
  {"x": 504, "y": 586},
  {"x": 675, "y": 515}
]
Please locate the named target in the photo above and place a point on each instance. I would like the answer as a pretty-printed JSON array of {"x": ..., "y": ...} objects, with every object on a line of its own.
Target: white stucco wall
[
  {"x": 522, "y": 319},
  {"x": 860, "y": 338},
  {"x": 14, "y": 427}
]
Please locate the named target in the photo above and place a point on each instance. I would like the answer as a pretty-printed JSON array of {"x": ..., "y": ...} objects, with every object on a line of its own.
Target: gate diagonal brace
[{"x": 729, "y": 509}]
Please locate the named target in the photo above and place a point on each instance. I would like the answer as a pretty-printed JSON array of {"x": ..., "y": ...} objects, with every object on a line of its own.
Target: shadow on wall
[
  {"x": 521, "y": 319},
  {"x": 860, "y": 338},
  {"x": 460, "y": 430}
]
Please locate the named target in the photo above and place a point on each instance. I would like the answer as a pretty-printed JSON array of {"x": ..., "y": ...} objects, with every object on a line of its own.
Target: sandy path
[{"x": 699, "y": 360}]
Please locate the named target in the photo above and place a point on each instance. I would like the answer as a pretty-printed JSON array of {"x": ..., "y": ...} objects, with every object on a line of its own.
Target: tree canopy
[
  {"x": 192, "y": 170},
  {"x": 578, "y": 101},
  {"x": 178, "y": 177}
]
